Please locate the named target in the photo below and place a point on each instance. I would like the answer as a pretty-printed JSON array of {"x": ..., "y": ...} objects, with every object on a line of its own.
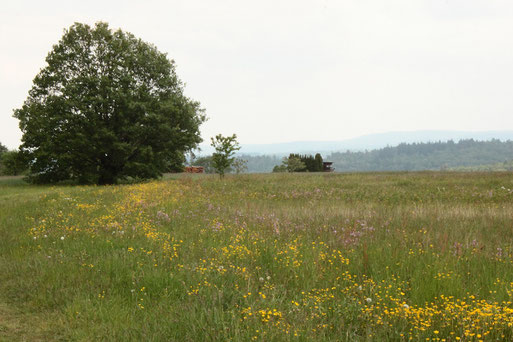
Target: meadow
[{"x": 424, "y": 256}]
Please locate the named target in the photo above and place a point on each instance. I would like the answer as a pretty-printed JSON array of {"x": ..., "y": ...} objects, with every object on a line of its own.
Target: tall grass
[{"x": 306, "y": 257}]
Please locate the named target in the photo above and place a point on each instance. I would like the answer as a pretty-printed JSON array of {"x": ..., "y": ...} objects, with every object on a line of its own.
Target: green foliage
[
  {"x": 309, "y": 162},
  {"x": 261, "y": 163},
  {"x": 425, "y": 156},
  {"x": 107, "y": 106},
  {"x": 280, "y": 168},
  {"x": 240, "y": 165},
  {"x": 294, "y": 163},
  {"x": 12, "y": 163},
  {"x": 464, "y": 155},
  {"x": 225, "y": 148},
  {"x": 319, "y": 167},
  {"x": 300, "y": 163},
  {"x": 2, "y": 149},
  {"x": 206, "y": 162}
]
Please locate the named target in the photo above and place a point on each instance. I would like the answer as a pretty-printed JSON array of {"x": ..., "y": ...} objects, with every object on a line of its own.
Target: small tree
[
  {"x": 225, "y": 148},
  {"x": 280, "y": 168},
  {"x": 294, "y": 164},
  {"x": 318, "y": 163}
]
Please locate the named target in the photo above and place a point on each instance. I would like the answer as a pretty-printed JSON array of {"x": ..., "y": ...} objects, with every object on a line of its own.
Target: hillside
[
  {"x": 465, "y": 155},
  {"x": 364, "y": 142},
  {"x": 425, "y": 156}
]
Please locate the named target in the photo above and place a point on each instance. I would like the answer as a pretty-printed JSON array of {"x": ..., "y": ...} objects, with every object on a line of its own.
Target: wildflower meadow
[{"x": 422, "y": 256}]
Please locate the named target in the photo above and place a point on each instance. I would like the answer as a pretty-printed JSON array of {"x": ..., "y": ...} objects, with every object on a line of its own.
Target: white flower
[
  {"x": 261, "y": 279},
  {"x": 368, "y": 300},
  {"x": 46, "y": 236},
  {"x": 268, "y": 277},
  {"x": 406, "y": 306},
  {"x": 360, "y": 288},
  {"x": 35, "y": 237},
  {"x": 62, "y": 237}
]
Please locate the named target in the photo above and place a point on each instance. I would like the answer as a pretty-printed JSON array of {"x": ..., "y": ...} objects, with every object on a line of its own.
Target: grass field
[{"x": 276, "y": 257}]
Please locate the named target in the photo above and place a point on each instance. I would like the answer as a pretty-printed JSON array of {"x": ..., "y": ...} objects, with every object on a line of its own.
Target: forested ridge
[
  {"x": 425, "y": 156},
  {"x": 410, "y": 157}
]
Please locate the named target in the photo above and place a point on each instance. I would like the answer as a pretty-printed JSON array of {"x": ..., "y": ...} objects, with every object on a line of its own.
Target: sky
[{"x": 297, "y": 70}]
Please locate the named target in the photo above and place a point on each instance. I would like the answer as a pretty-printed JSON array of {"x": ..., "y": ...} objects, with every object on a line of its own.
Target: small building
[
  {"x": 194, "y": 169},
  {"x": 327, "y": 167}
]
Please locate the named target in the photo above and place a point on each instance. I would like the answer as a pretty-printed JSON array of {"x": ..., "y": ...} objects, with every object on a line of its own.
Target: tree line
[
  {"x": 11, "y": 162},
  {"x": 408, "y": 157},
  {"x": 425, "y": 156}
]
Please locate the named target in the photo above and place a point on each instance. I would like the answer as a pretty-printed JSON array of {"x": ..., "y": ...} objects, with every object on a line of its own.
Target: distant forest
[
  {"x": 262, "y": 163},
  {"x": 449, "y": 155}
]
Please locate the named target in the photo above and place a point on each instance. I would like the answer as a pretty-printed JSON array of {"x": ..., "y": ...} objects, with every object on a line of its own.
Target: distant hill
[
  {"x": 462, "y": 155},
  {"x": 366, "y": 142},
  {"x": 425, "y": 156}
]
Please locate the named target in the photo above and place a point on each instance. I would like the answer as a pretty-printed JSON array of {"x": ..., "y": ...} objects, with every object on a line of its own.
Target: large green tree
[{"x": 106, "y": 107}]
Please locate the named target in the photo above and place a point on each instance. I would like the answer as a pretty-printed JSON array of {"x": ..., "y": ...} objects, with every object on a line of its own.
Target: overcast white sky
[{"x": 277, "y": 71}]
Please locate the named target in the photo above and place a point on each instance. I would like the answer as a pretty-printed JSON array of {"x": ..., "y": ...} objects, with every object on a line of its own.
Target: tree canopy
[{"x": 106, "y": 107}]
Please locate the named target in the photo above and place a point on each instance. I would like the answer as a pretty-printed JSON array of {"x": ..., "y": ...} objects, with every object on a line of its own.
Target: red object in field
[{"x": 194, "y": 169}]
